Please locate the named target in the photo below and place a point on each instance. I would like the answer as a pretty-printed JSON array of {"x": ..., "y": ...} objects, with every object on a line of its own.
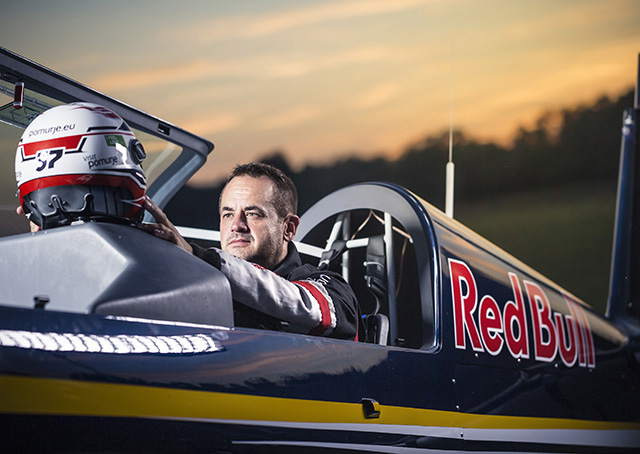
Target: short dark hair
[{"x": 286, "y": 195}]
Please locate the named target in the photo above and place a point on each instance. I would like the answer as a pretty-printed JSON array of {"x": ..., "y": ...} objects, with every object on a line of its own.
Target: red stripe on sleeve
[{"x": 324, "y": 308}]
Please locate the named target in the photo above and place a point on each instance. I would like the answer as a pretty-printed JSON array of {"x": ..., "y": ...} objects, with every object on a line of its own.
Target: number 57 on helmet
[{"x": 79, "y": 162}]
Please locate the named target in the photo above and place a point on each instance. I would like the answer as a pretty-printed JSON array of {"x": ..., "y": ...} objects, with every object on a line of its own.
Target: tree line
[{"x": 566, "y": 147}]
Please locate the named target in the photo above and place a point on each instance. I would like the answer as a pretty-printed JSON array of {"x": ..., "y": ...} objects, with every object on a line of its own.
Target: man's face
[{"x": 249, "y": 225}]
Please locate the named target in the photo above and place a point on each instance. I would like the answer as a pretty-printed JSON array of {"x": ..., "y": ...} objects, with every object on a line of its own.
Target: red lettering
[
  {"x": 566, "y": 340},
  {"x": 514, "y": 316},
  {"x": 567, "y": 334},
  {"x": 464, "y": 305},
  {"x": 490, "y": 325},
  {"x": 544, "y": 332},
  {"x": 585, "y": 339}
]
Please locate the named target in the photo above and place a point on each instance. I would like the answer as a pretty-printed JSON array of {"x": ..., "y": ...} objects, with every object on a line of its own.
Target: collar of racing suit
[{"x": 290, "y": 262}]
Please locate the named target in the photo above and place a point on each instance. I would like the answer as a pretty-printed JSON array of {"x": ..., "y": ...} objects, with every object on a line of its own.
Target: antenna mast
[{"x": 450, "y": 168}]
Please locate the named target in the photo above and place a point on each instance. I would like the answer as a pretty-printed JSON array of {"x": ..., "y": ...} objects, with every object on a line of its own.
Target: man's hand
[
  {"x": 32, "y": 226},
  {"x": 164, "y": 228}
]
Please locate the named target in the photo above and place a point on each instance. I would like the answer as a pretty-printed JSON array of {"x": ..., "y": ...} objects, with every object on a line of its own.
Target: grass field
[{"x": 565, "y": 234}]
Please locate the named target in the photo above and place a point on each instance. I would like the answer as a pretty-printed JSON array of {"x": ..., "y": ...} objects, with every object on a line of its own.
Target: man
[{"x": 269, "y": 284}]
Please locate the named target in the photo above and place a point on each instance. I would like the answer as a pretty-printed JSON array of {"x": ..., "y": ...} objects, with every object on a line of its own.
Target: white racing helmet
[{"x": 79, "y": 162}]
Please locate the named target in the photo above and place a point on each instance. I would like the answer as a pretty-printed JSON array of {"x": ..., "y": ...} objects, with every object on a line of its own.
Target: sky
[{"x": 321, "y": 80}]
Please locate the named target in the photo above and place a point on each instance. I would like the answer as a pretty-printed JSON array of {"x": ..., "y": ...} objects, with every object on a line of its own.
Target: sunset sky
[{"x": 323, "y": 79}]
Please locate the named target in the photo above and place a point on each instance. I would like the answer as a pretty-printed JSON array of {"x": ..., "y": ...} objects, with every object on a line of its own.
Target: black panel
[{"x": 112, "y": 269}]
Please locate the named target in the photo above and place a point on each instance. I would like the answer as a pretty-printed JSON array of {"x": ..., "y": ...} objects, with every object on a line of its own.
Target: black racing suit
[{"x": 294, "y": 297}]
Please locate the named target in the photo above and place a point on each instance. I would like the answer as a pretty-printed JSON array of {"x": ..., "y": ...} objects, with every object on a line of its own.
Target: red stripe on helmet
[
  {"x": 68, "y": 143},
  {"x": 121, "y": 181}
]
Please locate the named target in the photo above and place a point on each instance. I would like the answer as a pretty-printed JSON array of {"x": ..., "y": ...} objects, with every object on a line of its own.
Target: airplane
[{"x": 112, "y": 340}]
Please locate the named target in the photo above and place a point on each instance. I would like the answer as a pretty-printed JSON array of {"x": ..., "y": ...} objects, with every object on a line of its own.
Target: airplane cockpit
[
  {"x": 378, "y": 236},
  {"x": 380, "y": 239}
]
